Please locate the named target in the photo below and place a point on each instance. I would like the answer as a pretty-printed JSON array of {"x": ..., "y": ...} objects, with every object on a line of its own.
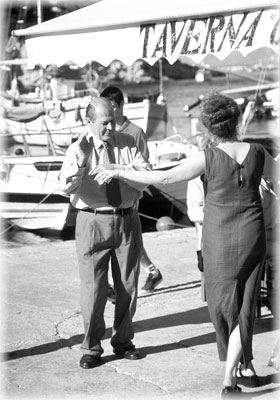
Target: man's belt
[{"x": 113, "y": 211}]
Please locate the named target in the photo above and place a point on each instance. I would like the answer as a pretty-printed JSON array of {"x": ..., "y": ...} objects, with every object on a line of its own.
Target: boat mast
[
  {"x": 39, "y": 12},
  {"x": 161, "y": 99},
  {"x": 39, "y": 21}
]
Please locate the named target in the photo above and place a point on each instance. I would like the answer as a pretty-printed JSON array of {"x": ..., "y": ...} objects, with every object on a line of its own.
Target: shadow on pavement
[
  {"x": 196, "y": 316},
  {"x": 170, "y": 289},
  {"x": 42, "y": 349},
  {"x": 191, "y": 342}
]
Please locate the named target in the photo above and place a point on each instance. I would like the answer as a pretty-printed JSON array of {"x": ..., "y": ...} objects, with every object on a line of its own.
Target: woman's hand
[
  {"x": 100, "y": 168},
  {"x": 106, "y": 175}
]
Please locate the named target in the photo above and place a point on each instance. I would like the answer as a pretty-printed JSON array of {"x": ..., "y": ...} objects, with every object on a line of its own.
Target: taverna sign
[
  {"x": 129, "y": 30},
  {"x": 218, "y": 35}
]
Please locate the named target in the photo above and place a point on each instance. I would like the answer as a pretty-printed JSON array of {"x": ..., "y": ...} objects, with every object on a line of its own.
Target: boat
[{"x": 34, "y": 141}]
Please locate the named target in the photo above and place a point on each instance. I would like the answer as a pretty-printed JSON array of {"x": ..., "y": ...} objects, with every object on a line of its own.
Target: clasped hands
[{"x": 104, "y": 175}]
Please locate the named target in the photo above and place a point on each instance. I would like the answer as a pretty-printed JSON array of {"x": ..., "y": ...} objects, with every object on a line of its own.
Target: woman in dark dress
[{"x": 233, "y": 236}]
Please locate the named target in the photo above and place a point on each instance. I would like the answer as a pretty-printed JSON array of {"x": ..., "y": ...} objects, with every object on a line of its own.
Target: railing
[{"x": 24, "y": 145}]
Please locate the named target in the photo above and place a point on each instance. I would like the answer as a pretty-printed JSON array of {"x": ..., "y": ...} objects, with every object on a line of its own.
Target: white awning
[{"x": 128, "y": 30}]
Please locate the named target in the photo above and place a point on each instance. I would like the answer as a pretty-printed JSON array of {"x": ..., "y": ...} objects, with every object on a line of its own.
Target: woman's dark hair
[{"x": 220, "y": 115}]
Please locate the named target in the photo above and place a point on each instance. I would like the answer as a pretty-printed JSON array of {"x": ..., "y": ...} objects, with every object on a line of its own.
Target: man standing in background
[{"x": 115, "y": 95}]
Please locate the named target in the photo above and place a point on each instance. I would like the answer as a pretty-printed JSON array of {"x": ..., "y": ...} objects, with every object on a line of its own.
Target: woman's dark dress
[{"x": 234, "y": 244}]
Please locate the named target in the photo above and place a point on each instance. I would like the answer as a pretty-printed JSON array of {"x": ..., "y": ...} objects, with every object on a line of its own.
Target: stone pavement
[{"x": 42, "y": 330}]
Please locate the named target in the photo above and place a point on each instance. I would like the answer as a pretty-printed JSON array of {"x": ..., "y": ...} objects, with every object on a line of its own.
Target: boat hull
[{"x": 33, "y": 211}]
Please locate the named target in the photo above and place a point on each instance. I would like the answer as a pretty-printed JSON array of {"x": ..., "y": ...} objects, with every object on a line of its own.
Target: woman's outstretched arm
[{"x": 189, "y": 169}]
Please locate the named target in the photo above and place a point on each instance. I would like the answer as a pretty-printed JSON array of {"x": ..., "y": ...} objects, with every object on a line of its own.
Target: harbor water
[{"x": 186, "y": 92}]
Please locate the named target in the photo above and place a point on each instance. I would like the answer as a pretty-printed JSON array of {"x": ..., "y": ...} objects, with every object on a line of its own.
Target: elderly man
[{"x": 107, "y": 230}]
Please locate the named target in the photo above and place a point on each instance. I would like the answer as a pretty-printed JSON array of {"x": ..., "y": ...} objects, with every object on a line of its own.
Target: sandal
[{"x": 247, "y": 380}]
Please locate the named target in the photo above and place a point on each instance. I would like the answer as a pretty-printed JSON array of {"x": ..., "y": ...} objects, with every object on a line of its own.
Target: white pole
[
  {"x": 160, "y": 99},
  {"x": 160, "y": 78},
  {"x": 39, "y": 21},
  {"x": 39, "y": 12}
]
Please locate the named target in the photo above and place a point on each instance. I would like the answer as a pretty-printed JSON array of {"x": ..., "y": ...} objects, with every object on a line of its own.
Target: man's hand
[{"x": 84, "y": 149}]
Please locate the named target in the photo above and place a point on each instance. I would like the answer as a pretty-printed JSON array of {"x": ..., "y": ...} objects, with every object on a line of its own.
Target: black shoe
[
  {"x": 152, "y": 282},
  {"x": 230, "y": 392},
  {"x": 90, "y": 361},
  {"x": 128, "y": 353}
]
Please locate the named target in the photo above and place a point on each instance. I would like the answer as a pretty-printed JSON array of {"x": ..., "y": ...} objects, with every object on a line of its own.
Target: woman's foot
[
  {"x": 230, "y": 380},
  {"x": 246, "y": 372},
  {"x": 247, "y": 376}
]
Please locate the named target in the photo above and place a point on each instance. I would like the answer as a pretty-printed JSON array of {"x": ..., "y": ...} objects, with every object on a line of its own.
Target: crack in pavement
[{"x": 137, "y": 377}]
